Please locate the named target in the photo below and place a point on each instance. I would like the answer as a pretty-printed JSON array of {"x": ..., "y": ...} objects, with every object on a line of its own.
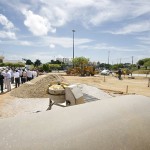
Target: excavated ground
[{"x": 32, "y": 96}]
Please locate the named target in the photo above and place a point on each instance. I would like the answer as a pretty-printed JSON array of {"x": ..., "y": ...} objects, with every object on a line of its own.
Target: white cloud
[
  {"x": 7, "y": 34},
  {"x": 6, "y": 23},
  {"x": 8, "y": 28},
  {"x": 24, "y": 43},
  {"x": 43, "y": 56},
  {"x": 133, "y": 28},
  {"x": 56, "y": 13},
  {"x": 144, "y": 40},
  {"x": 37, "y": 24},
  {"x": 52, "y": 46},
  {"x": 112, "y": 11},
  {"x": 106, "y": 47},
  {"x": 66, "y": 42}
]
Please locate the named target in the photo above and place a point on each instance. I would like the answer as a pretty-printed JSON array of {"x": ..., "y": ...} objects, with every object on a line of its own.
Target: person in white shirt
[
  {"x": 17, "y": 79},
  {"x": 29, "y": 75},
  {"x": 24, "y": 76},
  {"x": 34, "y": 74},
  {"x": 8, "y": 80},
  {"x": 12, "y": 76}
]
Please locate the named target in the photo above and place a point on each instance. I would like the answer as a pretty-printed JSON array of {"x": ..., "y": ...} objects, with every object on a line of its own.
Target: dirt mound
[{"x": 36, "y": 88}]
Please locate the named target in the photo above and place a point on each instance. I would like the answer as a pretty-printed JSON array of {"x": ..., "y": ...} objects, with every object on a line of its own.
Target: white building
[
  {"x": 65, "y": 60},
  {"x": 1, "y": 59},
  {"x": 11, "y": 61}
]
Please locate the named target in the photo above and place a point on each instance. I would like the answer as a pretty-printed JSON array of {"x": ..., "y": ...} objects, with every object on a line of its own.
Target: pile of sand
[{"x": 36, "y": 88}]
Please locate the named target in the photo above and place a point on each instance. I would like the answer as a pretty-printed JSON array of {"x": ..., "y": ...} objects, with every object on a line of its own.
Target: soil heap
[{"x": 36, "y": 88}]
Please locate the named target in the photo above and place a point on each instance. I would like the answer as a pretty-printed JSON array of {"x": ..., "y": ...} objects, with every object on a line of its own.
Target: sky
[{"x": 114, "y": 31}]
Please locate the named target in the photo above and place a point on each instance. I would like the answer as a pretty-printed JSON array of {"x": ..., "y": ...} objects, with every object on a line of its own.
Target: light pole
[
  {"x": 73, "y": 48},
  {"x": 108, "y": 56}
]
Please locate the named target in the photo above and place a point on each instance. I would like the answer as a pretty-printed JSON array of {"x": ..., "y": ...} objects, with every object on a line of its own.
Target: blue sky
[{"x": 42, "y": 29}]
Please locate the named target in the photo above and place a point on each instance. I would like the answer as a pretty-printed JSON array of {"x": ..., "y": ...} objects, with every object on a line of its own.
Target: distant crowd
[{"x": 18, "y": 76}]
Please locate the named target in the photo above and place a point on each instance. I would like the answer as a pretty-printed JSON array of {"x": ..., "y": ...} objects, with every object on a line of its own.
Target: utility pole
[
  {"x": 132, "y": 60},
  {"x": 73, "y": 48},
  {"x": 120, "y": 60},
  {"x": 108, "y": 56}
]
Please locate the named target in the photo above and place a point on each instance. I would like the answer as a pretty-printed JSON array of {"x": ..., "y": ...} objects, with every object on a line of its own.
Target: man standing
[
  {"x": 29, "y": 75},
  {"x": 1, "y": 82},
  {"x": 17, "y": 79},
  {"x": 119, "y": 73},
  {"x": 8, "y": 80},
  {"x": 24, "y": 76},
  {"x": 4, "y": 74},
  {"x": 12, "y": 76}
]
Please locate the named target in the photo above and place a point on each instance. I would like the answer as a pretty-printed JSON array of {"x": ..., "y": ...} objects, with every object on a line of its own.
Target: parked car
[{"x": 105, "y": 72}]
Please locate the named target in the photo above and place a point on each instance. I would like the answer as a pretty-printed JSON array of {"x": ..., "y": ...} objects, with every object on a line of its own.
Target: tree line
[{"x": 77, "y": 62}]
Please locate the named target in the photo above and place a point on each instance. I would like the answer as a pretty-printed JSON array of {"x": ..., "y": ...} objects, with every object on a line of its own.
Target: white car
[{"x": 105, "y": 72}]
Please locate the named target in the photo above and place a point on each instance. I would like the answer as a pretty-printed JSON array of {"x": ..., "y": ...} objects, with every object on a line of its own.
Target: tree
[
  {"x": 28, "y": 62},
  {"x": 37, "y": 63},
  {"x": 55, "y": 62},
  {"x": 146, "y": 59},
  {"x": 46, "y": 67},
  {"x": 80, "y": 61},
  {"x": 140, "y": 62},
  {"x": 54, "y": 66},
  {"x": 147, "y": 64}
]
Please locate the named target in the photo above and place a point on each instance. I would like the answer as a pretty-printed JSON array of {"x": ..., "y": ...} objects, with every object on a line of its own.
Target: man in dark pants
[
  {"x": 17, "y": 79},
  {"x": 1, "y": 82},
  {"x": 119, "y": 73}
]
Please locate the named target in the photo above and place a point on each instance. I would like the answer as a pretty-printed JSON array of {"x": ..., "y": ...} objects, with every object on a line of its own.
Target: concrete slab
[
  {"x": 93, "y": 92},
  {"x": 120, "y": 123}
]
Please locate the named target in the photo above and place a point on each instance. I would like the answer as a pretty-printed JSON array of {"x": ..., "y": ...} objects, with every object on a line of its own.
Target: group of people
[{"x": 18, "y": 76}]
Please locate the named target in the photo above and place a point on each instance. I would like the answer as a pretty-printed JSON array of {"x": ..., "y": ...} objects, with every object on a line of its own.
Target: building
[
  {"x": 67, "y": 61},
  {"x": 11, "y": 61},
  {"x": 1, "y": 59}
]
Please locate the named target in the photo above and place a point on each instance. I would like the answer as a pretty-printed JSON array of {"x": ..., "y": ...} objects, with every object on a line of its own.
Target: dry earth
[{"x": 110, "y": 84}]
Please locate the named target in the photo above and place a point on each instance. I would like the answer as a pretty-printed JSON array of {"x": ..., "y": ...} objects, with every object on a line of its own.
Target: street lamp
[
  {"x": 73, "y": 48},
  {"x": 108, "y": 56}
]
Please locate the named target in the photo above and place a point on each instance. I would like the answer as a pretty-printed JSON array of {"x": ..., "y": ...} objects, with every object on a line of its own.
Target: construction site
[{"x": 68, "y": 109}]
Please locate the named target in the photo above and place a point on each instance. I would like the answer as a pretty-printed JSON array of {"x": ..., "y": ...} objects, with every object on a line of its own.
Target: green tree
[
  {"x": 147, "y": 64},
  {"x": 55, "y": 62},
  {"x": 46, "y": 67},
  {"x": 37, "y": 63},
  {"x": 146, "y": 59},
  {"x": 54, "y": 66},
  {"x": 80, "y": 61},
  {"x": 28, "y": 62},
  {"x": 140, "y": 62}
]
